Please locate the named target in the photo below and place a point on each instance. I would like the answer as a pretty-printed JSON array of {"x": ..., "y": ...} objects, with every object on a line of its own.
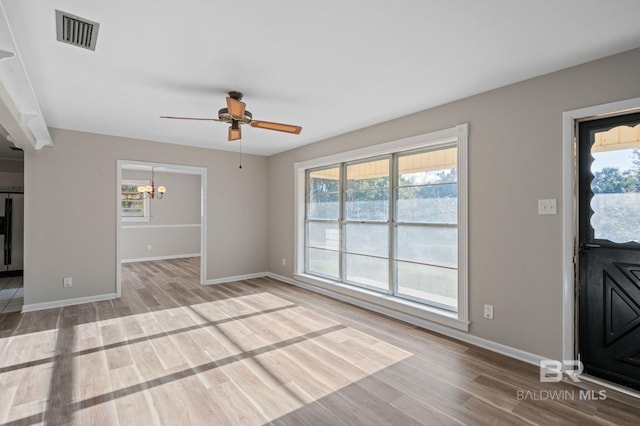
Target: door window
[{"x": 616, "y": 184}]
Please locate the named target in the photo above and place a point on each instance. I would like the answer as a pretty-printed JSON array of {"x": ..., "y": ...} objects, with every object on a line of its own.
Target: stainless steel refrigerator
[{"x": 11, "y": 232}]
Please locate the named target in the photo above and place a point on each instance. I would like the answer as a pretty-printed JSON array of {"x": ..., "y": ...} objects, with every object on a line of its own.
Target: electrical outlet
[
  {"x": 284, "y": 262},
  {"x": 549, "y": 206},
  {"x": 488, "y": 311},
  {"x": 67, "y": 282}
]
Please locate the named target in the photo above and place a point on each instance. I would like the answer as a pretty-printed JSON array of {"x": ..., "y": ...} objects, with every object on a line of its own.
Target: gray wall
[
  {"x": 70, "y": 218},
  {"x": 165, "y": 234},
  {"x": 515, "y": 158}
]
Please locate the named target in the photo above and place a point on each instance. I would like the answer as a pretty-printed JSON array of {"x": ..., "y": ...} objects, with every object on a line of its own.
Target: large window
[{"x": 389, "y": 223}]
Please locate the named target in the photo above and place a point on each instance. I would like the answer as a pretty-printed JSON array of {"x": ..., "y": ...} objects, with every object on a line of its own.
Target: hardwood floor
[{"x": 260, "y": 351}]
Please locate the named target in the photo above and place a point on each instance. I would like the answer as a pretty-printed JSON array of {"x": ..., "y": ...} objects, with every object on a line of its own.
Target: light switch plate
[
  {"x": 488, "y": 311},
  {"x": 549, "y": 206}
]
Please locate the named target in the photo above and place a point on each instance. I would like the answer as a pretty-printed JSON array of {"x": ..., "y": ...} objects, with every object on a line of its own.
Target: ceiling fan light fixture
[{"x": 234, "y": 131}]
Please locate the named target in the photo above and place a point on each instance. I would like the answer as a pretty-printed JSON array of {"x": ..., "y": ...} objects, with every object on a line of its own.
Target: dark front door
[{"x": 609, "y": 248}]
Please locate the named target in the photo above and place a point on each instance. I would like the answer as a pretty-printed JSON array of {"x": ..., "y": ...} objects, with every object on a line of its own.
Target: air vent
[{"x": 77, "y": 31}]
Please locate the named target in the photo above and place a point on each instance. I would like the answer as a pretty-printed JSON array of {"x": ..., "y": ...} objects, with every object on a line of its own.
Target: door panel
[
  {"x": 17, "y": 239},
  {"x": 609, "y": 252}
]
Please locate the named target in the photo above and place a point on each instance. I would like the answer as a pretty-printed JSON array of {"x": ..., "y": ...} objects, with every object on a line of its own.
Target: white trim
[
  {"x": 134, "y": 219},
  {"x": 521, "y": 355},
  {"x": 171, "y": 256},
  {"x": 160, "y": 169},
  {"x": 462, "y": 131},
  {"x": 570, "y": 211},
  {"x": 406, "y": 144},
  {"x": 299, "y": 201},
  {"x": 119, "y": 164},
  {"x": 225, "y": 280},
  {"x": 203, "y": 225},
  {"x": 186, "y": 225},
  {"x": 458, "y": 134},
  {"x": 171, "y": 168},
  {"x": 67, "y": 302}
]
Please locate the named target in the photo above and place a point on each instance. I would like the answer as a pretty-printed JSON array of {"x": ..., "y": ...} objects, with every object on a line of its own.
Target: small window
[{"x": 134, "y": 207}]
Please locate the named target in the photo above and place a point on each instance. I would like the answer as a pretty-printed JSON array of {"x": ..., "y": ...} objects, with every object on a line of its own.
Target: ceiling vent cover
[{"x": 77, "y": 31}]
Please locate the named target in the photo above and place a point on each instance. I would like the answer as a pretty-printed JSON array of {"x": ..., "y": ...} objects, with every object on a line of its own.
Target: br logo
[{"x": 553, "y": 371}]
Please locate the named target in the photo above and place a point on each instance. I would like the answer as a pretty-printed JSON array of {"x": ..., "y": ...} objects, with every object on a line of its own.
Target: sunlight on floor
[{"x": 259, "y": 354}]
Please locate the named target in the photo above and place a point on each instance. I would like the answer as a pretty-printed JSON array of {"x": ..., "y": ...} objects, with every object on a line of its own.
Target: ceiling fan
[{"x": 236, "y": 114}]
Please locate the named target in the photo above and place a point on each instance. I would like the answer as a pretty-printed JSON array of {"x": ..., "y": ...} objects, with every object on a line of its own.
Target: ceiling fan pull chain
[{"x": 240, "y": 154}]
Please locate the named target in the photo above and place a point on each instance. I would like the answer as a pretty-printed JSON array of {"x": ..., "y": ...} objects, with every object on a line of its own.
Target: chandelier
[{"x": 150, "y": 191}]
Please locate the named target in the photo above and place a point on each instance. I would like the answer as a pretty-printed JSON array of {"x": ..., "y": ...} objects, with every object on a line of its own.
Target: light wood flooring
[{"x": 259, "y": 351}]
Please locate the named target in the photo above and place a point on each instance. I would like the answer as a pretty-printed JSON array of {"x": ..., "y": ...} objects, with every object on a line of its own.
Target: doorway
[
  {"x": 11, "y": 224},
  {"x": 149, "y": 169},
  {"x": 608, "y": 267}
]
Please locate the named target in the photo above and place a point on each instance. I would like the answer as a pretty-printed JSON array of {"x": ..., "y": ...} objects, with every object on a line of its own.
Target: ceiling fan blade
[
  {"x": 280, "y": 127},
  {"x": 234, "y": 131},
  {"x": 189, "y": 118},
  {"x": 236, "y": 108}
]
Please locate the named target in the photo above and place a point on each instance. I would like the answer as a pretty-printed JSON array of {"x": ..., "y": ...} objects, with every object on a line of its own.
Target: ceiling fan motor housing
[
  {"x": 235, "y": 95},
  {"x": 224, "y": 116}
]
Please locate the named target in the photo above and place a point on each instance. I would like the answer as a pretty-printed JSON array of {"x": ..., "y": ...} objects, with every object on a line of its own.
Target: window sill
[
  {"x": 399, "y": 308},
  {"x": 135, "y": 219}
]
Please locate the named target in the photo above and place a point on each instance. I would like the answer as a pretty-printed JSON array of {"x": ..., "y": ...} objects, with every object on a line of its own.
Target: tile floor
[{"x": 11, "y": 294}]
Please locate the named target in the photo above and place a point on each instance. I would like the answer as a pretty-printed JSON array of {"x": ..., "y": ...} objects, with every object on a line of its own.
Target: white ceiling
[{"x": 331, "y": 66}]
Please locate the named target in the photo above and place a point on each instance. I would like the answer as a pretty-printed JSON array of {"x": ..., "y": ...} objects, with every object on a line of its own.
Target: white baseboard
[
  {"x": 149, "y": 259},
  {"x": 67, "y": 302},
  {"x": 236, "y": 278},
  {"x": 521, "y": 355}
]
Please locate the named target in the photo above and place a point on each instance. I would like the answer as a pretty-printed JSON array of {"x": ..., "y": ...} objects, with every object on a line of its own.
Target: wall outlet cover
[
  {"x": 549, "y": 206},
  {"x": 488, "y": 311}
]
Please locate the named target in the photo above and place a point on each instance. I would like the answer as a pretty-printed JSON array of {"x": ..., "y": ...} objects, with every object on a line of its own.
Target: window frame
[
  {"x": 147, "y": 216},
  {"x": 403, "y": 307}
]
